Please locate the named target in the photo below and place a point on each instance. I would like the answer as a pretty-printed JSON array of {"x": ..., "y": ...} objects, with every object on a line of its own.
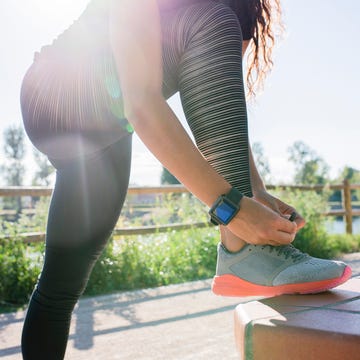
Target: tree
[
  {"x": 167, "y": 178},
  {"x": 351, "y": 174},
  {"x": 44, "y": 171},
  {"x": 14, "y": 169},
  {"x": 14, "y": 150},
  {"x": 309, "y": 167},
  {"x": 262, "y": 163}
]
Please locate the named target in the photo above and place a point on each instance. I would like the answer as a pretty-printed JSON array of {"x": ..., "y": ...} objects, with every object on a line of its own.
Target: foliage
[
  {"x": 20, "y": 263},
  {"x": 262, "y": 163},
  {"x": 36, "y": 222},
  {"x": 338, "y": 244},
  {"x": 313, "y": 238},
  {"x": 44, "y": 171},
  {"x": 13, "y": 169},
  {"x": 310, "y": 169},
  {"x": 351, "y": 174},
  {"x": 178, "y": 208},
  {"x": 154, "y": 260},
  {"x": 14, "y": 150},
  {"x": 19, "y": 267},
  {"x": 167, "y": 178}
]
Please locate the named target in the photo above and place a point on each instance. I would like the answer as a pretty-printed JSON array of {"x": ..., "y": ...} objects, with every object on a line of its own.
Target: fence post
[{"x": 347, "y": 206}]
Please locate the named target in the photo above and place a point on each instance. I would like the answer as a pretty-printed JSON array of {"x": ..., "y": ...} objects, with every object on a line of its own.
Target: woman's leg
[
  {"x": 86, "y": 203},
  {"x": 214, "y": 102},
  {"x": 212, "y": 93}
]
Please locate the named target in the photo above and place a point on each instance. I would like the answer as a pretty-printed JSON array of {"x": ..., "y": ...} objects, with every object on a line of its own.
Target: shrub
[
  {"x": 313, "y": 238},
  {"x": 154, "y": 260},
  {"x": 19, "y": 268},
  {"x": 338, "y": 244}
]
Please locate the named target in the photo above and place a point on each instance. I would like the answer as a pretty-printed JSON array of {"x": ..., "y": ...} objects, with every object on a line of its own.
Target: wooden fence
[{"x": 347, "y": 210}]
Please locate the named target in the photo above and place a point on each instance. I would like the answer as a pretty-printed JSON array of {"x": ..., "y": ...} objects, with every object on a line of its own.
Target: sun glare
[{"x": 59, "y": 10}]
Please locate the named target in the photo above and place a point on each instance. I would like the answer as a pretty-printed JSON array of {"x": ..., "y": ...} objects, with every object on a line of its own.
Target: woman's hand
[
  {"x": 278, "y": 206},
  {"x": 263, "y": 197},
  {"x": 258, "y": 224}
]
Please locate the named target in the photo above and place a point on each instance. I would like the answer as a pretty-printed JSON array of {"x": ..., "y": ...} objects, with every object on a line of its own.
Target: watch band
[{"x": 234, "y": 196}]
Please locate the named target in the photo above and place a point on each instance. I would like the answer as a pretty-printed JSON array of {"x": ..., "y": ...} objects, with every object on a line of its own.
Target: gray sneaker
[{"x": 265, "y": 270}]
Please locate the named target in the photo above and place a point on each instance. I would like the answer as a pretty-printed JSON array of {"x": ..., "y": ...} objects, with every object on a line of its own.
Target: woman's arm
[
  {"x": 136, "y": 43},
  {"x": 135, "y": 36},
  {"x": 257, "y": 183}
]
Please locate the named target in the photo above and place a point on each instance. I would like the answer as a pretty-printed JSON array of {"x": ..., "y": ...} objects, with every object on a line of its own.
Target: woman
[{"x": 116, "y": 66}]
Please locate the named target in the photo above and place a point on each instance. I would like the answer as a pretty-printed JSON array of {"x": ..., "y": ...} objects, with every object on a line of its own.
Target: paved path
[{"x": 178, "y": 322}]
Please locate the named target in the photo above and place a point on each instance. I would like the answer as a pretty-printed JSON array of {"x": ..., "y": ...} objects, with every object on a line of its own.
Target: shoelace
[{"x": 287, "y": 251}]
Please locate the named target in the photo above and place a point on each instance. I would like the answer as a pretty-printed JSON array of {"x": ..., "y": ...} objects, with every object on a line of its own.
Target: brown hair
[{"x": 267, "y": 25}]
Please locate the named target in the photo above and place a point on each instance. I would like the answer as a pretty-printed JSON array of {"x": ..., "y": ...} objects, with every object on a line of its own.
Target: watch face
[{"x": 225, "y": 211}]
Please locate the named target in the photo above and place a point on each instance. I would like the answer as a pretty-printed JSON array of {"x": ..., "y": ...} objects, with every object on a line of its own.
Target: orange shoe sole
[{"x": 231, "y": 285}]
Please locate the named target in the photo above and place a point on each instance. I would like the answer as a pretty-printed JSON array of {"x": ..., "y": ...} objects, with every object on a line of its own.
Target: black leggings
[
  {"x": 85, "y": 206},
  {"x": 201, "y": 59}
]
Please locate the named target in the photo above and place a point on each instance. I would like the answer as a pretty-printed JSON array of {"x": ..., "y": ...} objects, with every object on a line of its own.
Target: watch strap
[{"x": 235, "y": 196}]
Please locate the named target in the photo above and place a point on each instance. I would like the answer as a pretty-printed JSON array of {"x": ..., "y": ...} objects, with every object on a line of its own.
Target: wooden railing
[{"x": 347, "y": 210}]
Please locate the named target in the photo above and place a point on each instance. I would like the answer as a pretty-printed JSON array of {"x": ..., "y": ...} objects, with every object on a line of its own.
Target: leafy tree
[
  {"x": 44, "y": 171},
  {"x": 261, "y": 161},
  {"x": 167, "y": 178},
  {"x": 14, "y": 150},
  {"x": 351, "y": 174},
  {"x": 13, "y": 170},
  {"x": 309, "y": 167}
]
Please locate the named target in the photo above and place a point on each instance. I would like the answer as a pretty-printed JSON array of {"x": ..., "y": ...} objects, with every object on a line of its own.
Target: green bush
[
  {"x": 338, "y": 244},
  {"x": 36, "y": 222},
  {"x": 19, "y": 268},
  {"x": 154, "y": 260},
  {"x": 20, "y": 263},
  {"x": 313, "y": 238}
]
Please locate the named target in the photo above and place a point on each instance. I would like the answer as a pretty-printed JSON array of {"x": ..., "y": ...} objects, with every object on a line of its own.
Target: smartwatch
[{"x": 225, "y": 207}]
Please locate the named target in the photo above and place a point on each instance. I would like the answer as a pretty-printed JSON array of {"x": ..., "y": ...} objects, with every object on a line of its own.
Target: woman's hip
[{"x": 68, "y": 113}]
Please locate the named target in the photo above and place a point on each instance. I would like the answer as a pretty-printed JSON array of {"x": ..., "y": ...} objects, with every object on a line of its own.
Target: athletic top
[{"x": 89, "y": 32}]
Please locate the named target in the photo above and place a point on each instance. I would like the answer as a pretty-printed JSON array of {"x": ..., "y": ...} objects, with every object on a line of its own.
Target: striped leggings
[{"x": 202, "y": 60}]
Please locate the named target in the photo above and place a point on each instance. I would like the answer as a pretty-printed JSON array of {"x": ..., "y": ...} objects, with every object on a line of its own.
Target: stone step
[{"x": 322, "y": 326}]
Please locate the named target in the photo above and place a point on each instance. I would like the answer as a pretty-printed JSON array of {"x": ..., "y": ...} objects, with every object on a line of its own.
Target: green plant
[
  {"x": 35, "y": 222},
  {"x": 338, "y": 244},
  {"x": 312, "y": 238},
  {"x": 147, "y": 261},
  {"x": 19, "y": 267}
]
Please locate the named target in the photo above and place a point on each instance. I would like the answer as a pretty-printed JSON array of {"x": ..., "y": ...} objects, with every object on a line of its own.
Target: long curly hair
[{"x": 266, "y": 19}]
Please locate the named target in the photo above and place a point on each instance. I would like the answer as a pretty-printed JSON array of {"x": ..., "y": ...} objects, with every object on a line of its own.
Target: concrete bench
[{"x": 301, "y": 327}]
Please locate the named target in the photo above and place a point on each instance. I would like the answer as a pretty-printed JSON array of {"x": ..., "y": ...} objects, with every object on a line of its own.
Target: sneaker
[{"x": 265, "y": 270}]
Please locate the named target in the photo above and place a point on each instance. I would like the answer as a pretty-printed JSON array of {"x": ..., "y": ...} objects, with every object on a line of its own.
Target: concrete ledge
[{"x": 298, "y": 327}]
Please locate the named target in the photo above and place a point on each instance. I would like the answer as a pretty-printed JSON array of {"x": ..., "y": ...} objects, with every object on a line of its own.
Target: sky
[{"x": 310, "y": 96}]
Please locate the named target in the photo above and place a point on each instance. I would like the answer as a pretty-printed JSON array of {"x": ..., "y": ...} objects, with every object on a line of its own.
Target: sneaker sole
[{"x": 231, "y": 285}]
